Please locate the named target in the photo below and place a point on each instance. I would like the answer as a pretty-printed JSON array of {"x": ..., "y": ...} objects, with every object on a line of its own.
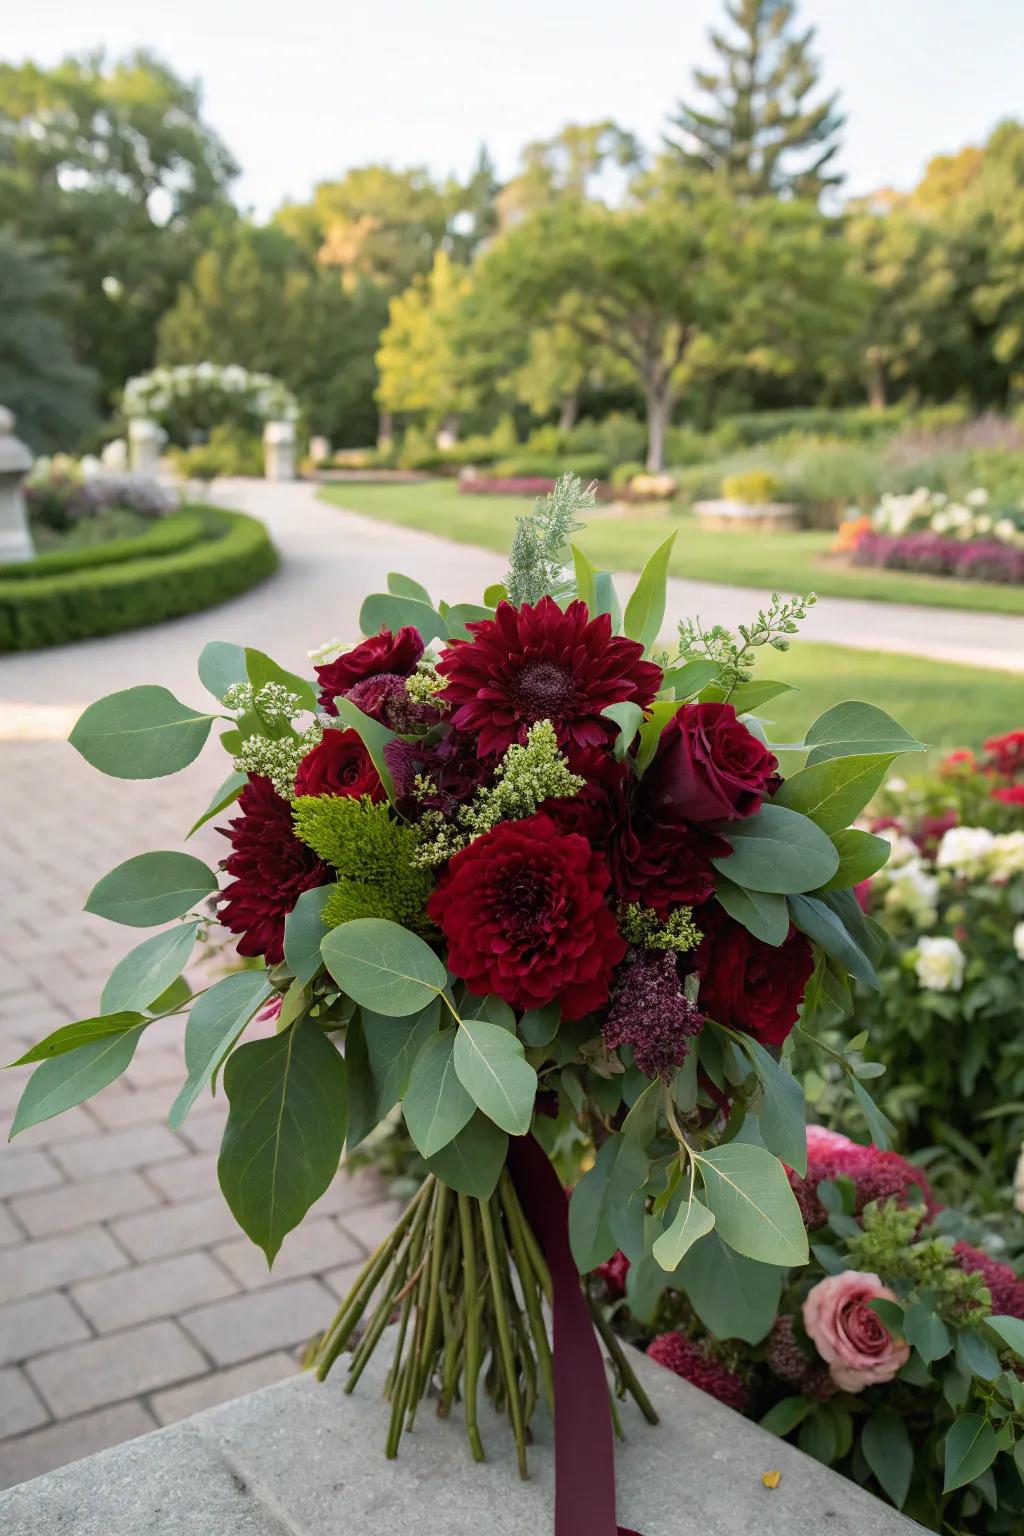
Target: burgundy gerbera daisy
[
  {"x": 523, "y": 910},
  {"x": 270, "y": 870},
  {"x": 538, "y": 663}
]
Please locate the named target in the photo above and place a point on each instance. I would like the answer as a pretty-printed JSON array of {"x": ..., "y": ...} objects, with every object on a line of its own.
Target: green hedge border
[
  {"x": 232, "y": 553},
  {"x": 179, "y": 530}
]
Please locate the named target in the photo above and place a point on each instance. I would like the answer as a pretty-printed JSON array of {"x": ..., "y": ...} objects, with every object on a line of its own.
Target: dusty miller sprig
[{"x": 539, "y": 558}]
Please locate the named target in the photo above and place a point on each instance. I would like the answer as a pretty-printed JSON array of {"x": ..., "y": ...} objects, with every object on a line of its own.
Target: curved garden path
[{"x": 127, "y": 1296}]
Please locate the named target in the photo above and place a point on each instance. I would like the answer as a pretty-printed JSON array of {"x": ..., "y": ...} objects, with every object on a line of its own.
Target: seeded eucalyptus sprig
[{"x": 732, "y": 653}]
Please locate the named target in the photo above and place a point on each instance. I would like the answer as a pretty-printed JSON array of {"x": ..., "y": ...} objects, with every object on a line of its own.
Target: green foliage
[
  {"x": 217, "y": 1018},
  {"x": 148, "y": 970},
  {"x": 52, "y": 397},
  {"x": 102, "y": 599},
  {"x": 151, "y": 888},
  {"x": 645, "y": 930},
  {"x": 373, "y": 854},
  {"x": 778, "y": 851},
  {"x": 756, "y": 487},
  {"x": 540, "y": 544},
  {"x": 68, "y": 1079},
  {"x": 167, "y": 536},
  {"x": 229, "y": 451},
  {"x": 384, "y": 967}
]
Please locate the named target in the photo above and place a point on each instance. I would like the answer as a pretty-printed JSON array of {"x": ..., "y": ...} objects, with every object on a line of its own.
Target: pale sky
[{"x": 302, "y": 90}]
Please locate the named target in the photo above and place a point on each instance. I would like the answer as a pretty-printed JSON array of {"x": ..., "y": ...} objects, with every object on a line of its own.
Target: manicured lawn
[{"x": 790, "y": 562}]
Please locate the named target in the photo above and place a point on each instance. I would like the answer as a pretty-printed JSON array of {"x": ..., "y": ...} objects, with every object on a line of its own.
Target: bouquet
[
  {"x": 894, "y": 1356},
  {"x": 539, "y": 880}
]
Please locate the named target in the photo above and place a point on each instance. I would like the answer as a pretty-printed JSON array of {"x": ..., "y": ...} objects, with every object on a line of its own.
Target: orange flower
[{"x": 849, "y": 534}]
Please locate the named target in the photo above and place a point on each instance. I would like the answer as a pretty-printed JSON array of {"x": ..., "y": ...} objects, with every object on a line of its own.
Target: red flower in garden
[
  {"x": 613, "y": 1274},
  {"x": 1012, "y": 794},
  {"x": 875, "y": 1175},
  {"x": 1005, "y": 754},
  {"x": 524, "y": 913},
  {"x": 383, "y": 653},
  {"x": 340, "y": 765},
  {"x": 708, "y": 767},
  {"x": 538, "y": 663},
  {"x": 687, "y": 1359},
  {"x": 961, "y": 761},
  {"x": 270, "y": 870},
  {"x": 745, "y": 983}
]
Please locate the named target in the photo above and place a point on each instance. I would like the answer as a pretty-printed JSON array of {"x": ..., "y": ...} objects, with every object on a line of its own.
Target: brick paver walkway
[{"x": 127, "y": 1296}]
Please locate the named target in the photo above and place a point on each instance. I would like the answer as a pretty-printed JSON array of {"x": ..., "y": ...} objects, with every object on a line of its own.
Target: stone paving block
[
  {"x": 20, "y": 1408},
  {"x": 119, "y": 1107},
  {"x": 50, "y": 1262},
  {"x": 309, "y": 1250},
  {"x": 203, "y": 1132},
  {"x": 154, "y": 1066},
  {"x": 174, "y": 1228},
  {"x": 147, "y": 1291},
  {"x": 23, "y": 1171},
  {"x": 186, "y": 1178},
  {"x": 73, "y": 1123},
  {"x": 116, "y": 1150},
  {"x": 126, "y": 1364},
  {"x": 10, "y": 1232},
  {"x": 246, "y": 1326},
  {"x": 32, "y": 1455},
  {"x": 372, "y": 1223},
  {"x": 36, "y": 1324},
  {"x": 341, "y": 1280},
  {"x": 79, "y": 1205},
  {"x": 221, "y": 1387},
  {"x": 348, "y": 1191}
]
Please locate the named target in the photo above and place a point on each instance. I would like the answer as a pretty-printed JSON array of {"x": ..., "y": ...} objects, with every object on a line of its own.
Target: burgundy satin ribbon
[{"x": 584, "y": 1443}]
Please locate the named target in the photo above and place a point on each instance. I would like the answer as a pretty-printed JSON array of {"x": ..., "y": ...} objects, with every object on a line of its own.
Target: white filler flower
[
  {"x": 1018, "y": 940},
  {"x": 939, "y": 965}
]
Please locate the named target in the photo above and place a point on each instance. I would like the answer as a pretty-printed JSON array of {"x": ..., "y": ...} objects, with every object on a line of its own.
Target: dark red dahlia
[
  {"x": 524, "y": 913},
  {"x": 650, "y": 1014},
  {"x": 708, "y": 767},
  {"x": 664, "y": 865},
  {"x": 1006, "y": 1288},
  {"x": 452, "y": 764},
  {"x": 747, "y": 984},
  {"x": 383, "y": 653},
  {"x": 270, "y": 869},
  {"x": 538, "y": 663},
  {"x": 690, "y": 1361},
  {"x": 340, "y": 765}
]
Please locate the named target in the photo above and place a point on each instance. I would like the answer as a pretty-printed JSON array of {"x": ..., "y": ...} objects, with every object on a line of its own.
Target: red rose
[
  {"x": 340, "y": 765},
  {"x": 524, "y": 912},
  {"x": 385, "y": 652},
  {"x": 708, "y": 767},
  {"x": 1013, "y": 794},
  {"x": 663, "y": 865},
  {"x": 538, "y": 663},
  {"x": 271, "y": 869},
  {"x": 747, "y": 984},
  {"x": 1005, "y": 754}
]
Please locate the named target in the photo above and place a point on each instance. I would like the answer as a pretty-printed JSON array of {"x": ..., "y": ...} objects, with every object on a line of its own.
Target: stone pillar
[
  {"x": 15, "y": 463},
  {"x": 279, "y": 450},
  {"x": 145, "y": 439},
  {"x": 319, "y": 449}
]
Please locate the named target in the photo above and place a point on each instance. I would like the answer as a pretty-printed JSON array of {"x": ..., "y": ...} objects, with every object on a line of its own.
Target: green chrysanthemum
[{"x": 372, "y": 853}]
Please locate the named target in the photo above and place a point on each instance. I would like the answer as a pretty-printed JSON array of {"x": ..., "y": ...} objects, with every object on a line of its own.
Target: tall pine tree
[{"x": 758, "y": 128}]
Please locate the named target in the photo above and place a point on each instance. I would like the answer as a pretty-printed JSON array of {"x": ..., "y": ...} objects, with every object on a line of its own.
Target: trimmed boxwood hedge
[
  {"x": 179, "y": 530},
  {"x": 231, "y": 553}
]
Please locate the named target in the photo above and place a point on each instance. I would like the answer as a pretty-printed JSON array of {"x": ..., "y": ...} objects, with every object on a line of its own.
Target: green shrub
[
  {"x": 622, "y": 474},
  {"x": 229, "y": 451},
  {"x": 756, "y": 487},
  {"x": 178, "y": 531},
  {"x": 589, "y": 466},
  {"x": 233, "y": 554}
]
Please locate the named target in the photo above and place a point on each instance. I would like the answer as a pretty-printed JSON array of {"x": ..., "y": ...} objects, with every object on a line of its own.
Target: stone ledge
[{"x": 299, "y": 1459}]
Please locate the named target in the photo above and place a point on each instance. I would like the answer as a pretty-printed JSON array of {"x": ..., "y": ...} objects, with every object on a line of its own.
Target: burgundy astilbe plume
[
  {"x": 876, "y": 1175},
  {"x": 650, "y": 1014},
  {"x": 1006, "y": 1288},
  {"x": 538, "y": 663},
  {"x": 270, "y": 870},
  {"x": 687, "y": 1359}
]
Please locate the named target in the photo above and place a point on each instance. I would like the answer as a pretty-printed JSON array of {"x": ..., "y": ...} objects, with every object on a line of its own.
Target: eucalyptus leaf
[
  {"x": 749, "y": 695},
  {"x": 778, "y": 850},
  {"x": 584, "y": 573},
  {"x": 304, "y": 932},
  {"x": 149, "y": 968},
  {"x": 1010, "y": 1330},
  {"x": 970, "y": 1448},
  {"x": 691, "y": 1222},
  {"x": 691, "y": 678},
  {"x": 590, "y": 1236},
  {"x": 214, "y": 1024},
  {"x": 70, "y": 1036},
  {"x": 225, "y": 795},
  {"x": 151, "y": 889},
  {"x": 380, "y": 1051},
  {"x": 386, "y": 610},
  {"x": 762, "y": 913},
  {"x": 853, "y": 727},
  {"x": 262, "y": 669},
  {"x": 926, "y": 1332},
  {"x": 629, "y": 718},
  {"x": 405, "y": 586},
  {"x": 383, "y": 966},
  {"x": 140, "y": 733},
  {"x": 461, "y": 614},
  {"x": 539, "y": 1026},
  {"x": 436, "y": 1105},
  {"x": 221, "y": 666},
  {"x": 834, "y": 791},
  {"x": 861, "y": 854},
  {"x": 734, "y": 1297},
  {"x": 753, "y": 1204},
  {"x": 645, "y": 610},
  {"x": 606, "y": 601},
  {"x": 783, "y": 1113},
  {"x": 374, "y": 736},
  {"x": 822, "y": 925},
  {"x": 68, "y": 1079},
  {"x": 493, "y": 1070},
  {"x": 472, "y": 1161},
  {"x": 285, "y": 1130}
]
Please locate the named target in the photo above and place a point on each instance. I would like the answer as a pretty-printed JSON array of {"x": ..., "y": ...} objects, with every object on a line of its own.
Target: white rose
[
  {"x": 965, "y": 851},
  {"x": 977, "y": 497},
  {"x": 902, "y": 849},
  {"x": 1018, "y": 944},
  {"x": 911, "y": 890},
  {"x": 939, "y": 965},
  {"x": 1006, "y": 856}
]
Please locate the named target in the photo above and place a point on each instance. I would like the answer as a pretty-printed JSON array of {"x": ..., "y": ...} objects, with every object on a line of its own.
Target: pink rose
[{"x": 848, "y": 1335}]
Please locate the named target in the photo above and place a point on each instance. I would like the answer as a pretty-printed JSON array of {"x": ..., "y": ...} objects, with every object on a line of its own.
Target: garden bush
[
  {"x": 229, "y": 451},
  {"x": 756, "y": 487},
  {"x": 589, "y": 466},
  {"x": 233, "y": 553},
  {"x": 178, "y": 531}
]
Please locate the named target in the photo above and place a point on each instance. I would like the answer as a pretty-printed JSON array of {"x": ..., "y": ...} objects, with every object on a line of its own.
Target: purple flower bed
[
  {"x": 510, "y": 485},
  {"x": 933, "y": 554}
]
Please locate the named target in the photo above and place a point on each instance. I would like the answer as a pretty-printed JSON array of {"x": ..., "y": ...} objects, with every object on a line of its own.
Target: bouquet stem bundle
[{"x": 466, "y": 1283}]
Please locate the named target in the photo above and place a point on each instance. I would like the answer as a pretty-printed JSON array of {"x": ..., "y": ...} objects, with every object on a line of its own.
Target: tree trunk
[
  {"x": 659, "y": 414},
  {"x": 570, "y": 409},
  {"x": 385, "y": 429},
  {"x": 876, "y": 384}
]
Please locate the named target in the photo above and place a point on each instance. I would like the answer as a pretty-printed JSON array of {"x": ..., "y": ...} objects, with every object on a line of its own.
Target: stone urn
[
  {"x": 15, "y": 463},
  {"x": 748, "y": 516}
]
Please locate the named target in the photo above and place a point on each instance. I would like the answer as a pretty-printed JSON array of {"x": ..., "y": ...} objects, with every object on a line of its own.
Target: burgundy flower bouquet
[{"x": 537, "y": 879}]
